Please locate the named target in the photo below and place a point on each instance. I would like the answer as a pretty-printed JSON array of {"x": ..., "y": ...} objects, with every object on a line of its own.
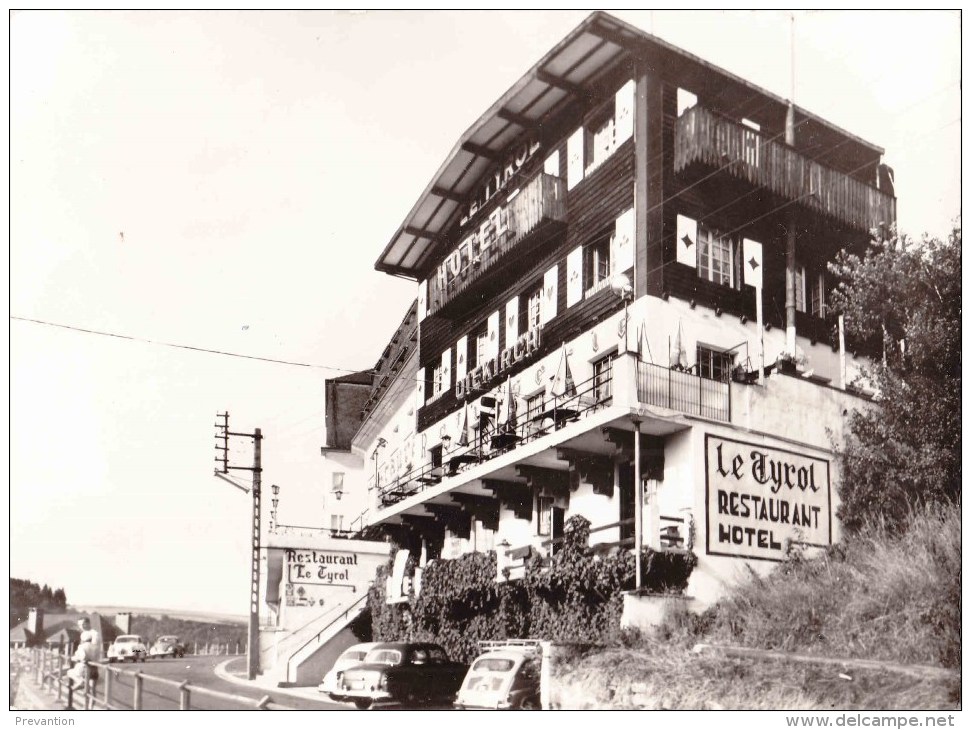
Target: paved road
[{"x": 199, "y": 672}]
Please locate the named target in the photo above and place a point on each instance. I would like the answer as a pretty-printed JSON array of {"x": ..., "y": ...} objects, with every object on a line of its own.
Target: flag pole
[{"x": 758, "y": 319}]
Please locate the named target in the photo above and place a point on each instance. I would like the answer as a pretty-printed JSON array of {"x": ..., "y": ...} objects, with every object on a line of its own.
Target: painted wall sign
[
  {"x": 323, "y": 568},
  {"x": 510, "y": 221},
  {"x": 759, "y": 497},
  {"x": 481, "y": 377},
  {"x": 495, "y": 182}
]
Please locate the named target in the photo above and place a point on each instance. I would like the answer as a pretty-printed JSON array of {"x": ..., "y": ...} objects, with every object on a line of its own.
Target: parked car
[
  {"x": 504, "y": 677},
  {"x": 352, "y": 657},
  {"x": 127, "y": 646},
  {"x": 167, "y": 646},
  {"x": 407, "y": 673}
]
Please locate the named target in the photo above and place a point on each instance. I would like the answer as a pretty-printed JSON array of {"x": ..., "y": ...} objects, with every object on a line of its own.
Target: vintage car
[
  {"x": 502, "y": 678},
  {"x": 167, "y": 646},
  {"x": 330, "y": 684},
  {"x": 127, "y": 646},
  {"x": 409, "y": 674}
]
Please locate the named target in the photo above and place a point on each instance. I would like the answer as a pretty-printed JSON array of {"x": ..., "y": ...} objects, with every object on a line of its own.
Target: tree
[{"x": 905, "y": 452}]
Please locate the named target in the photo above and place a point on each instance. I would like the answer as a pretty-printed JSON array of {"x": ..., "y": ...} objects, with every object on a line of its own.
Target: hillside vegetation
[
  {"x": 26, "y": 594},
  {"x": 190, "y": 632},
  {"x": 879, "y": 595}
]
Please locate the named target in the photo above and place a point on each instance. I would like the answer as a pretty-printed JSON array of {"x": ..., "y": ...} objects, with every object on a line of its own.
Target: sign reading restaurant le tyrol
[
  {"x": 324, "y": 568},
  {"x": 479, "y": 378},
  {"x": 759, "y": 497}
]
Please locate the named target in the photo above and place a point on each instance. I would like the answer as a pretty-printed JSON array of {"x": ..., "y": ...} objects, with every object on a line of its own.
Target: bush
[{"x": 570, "y": 598}]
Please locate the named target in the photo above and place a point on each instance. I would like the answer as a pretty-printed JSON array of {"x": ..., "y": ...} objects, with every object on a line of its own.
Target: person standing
[{"x": 88, "y": 651}]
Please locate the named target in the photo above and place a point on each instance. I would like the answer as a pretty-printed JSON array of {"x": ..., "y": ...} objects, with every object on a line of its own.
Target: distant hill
[{"x": 175, "y": 613}]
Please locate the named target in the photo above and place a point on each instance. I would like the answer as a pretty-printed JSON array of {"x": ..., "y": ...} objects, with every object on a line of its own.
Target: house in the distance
[{"x": 60, "y": 630}]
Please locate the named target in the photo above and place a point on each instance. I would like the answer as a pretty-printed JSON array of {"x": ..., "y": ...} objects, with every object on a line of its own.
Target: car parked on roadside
[
  {"x": 127, "y": 647},
  {"x": 352, "y": 657},
  {"x": 410, "y": 674},
  {"x": 504, "y": 677},
  {"x": 167, "y": 646}
]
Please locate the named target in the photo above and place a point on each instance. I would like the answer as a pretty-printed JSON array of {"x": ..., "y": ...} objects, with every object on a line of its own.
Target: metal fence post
[
  {"x": 70, "y": 696},
  {"x": 86, "y": 691},
  {"x": 60, "y": 675},
  {"x": 137, "y": 693},
  {"x": 107, "y": 686},
  {"x": 184, "y": 698}
]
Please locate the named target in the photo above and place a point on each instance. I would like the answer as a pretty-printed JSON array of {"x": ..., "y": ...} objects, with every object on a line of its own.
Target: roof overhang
[{"x": 567, "y": 73}]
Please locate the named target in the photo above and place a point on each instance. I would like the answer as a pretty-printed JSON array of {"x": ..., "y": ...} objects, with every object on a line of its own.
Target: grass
[{"x": 891, "y": 597}]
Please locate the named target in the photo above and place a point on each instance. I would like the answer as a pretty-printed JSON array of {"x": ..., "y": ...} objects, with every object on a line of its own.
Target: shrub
[{"x": 570, "y": 598}]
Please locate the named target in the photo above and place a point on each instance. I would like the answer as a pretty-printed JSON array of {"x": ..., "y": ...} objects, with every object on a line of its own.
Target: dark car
[
  {"x": 410, "y": 674},
  {"x": 167, "y": 646}
]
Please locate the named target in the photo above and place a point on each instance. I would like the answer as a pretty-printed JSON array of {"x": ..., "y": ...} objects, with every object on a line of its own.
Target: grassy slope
[{"x": 877, "y": 596}]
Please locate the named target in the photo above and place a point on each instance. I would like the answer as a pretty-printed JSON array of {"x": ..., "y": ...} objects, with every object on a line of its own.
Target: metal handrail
[{"x": 524, "y": 432}]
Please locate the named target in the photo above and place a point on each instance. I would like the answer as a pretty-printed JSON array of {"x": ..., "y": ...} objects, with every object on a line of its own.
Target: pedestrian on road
[{"x": 89, "y": 650}]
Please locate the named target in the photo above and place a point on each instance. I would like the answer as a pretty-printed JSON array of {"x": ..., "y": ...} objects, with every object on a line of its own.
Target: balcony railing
[
  {"x": 703, "y": 137},
  {"x": 683, "y": 391},
  {"x": 540, "y": 202},
  {"x": 556, "y": 413}
]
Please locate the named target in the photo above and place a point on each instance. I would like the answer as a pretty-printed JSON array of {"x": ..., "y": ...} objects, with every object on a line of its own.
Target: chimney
[
  {"x": 35, "y": 621},
  {"x": 123, "y": 622}
]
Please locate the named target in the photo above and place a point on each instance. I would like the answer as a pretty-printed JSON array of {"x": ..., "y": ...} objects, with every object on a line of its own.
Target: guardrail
[
  {"x": 50, "y": 669},
  {"x": 555, "y": 413}
]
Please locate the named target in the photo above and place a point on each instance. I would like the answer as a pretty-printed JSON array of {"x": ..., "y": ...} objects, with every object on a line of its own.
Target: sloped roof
[
  {"x": 55, "y": 623},
  {"x": 568, "y": 72}
]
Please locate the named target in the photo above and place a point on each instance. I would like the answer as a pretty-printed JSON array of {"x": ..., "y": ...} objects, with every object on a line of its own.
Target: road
[{"x": 198, "y": 671}]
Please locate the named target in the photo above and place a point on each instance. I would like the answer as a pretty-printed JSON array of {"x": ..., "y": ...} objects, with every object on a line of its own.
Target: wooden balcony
[
  {"x": 702, "y": 137},
  {"x": 538, "y": 209}
]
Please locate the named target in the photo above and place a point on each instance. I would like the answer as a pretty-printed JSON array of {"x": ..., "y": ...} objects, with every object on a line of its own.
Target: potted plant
[{"x": 786, "y": 363}]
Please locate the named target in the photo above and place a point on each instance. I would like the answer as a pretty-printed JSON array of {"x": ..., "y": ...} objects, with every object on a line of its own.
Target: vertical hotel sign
[{"x": 759, "y": 498}]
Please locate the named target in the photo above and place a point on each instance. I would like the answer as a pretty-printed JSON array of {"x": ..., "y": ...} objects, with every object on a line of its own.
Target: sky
[{"x": 226, "y": 181}]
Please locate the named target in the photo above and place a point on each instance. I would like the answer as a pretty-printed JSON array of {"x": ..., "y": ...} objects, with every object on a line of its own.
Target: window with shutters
[
  {"x": 481, "y": 345},
  {"x": 603, "y": 378},
  {"x": 437, "y": 381},
  {"x": 534, "y": 307},
  {"x": 800, "y": 288},
  {"x": 818, "y": 300},
  {"x": 719, "y": 258},
  {"x": 596, "y": 266}
]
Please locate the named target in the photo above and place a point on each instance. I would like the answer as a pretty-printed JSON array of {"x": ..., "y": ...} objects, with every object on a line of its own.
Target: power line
[{"x": 179, "y": 346}]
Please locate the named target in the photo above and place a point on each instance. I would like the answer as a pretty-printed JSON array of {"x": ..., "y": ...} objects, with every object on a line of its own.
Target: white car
[
  {"x": 331, "y": 683},
  {"x": 128, "y": 647}
]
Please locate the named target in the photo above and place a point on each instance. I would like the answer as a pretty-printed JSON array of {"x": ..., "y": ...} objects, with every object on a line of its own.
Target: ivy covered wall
[{"x": 572, "y": 597}]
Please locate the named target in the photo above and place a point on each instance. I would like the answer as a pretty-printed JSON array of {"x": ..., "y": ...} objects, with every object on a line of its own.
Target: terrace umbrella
[
  {"x": 511, "y": 408},
  {"x": 464, "y": 427},
  {"x": 679, "y": 358},
  {"x": 643, "y": 346},
  {"x": 563, "y": 384}
]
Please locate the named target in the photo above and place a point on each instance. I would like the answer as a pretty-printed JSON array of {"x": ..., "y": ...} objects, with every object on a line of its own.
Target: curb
[{"x": 304, "y": 693}]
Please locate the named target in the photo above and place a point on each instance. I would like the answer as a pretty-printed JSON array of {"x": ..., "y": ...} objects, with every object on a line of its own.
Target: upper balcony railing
[
  {"x": 681, "y": 390},
  {"x": 703, "y": 137}
]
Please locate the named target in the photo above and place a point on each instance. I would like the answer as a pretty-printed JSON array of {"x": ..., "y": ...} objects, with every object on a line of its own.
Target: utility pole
[{"x": 253, "y": 633}]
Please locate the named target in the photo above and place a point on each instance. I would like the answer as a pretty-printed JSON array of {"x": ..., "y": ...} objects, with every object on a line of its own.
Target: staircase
[{"x": 311, "y": 638}]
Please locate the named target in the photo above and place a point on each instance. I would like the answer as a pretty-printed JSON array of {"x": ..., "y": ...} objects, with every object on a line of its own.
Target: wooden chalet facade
[{"x": 509, "y": 398}]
